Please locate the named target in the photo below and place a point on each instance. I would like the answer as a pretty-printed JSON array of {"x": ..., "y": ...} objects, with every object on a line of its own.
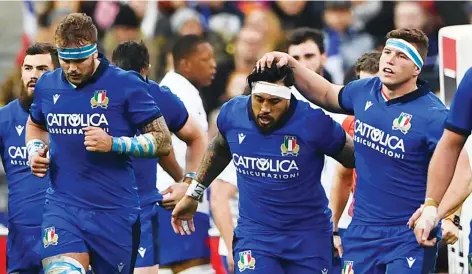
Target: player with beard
[
  {"x": 26, "y": 192},
  {"x": 92, "y": 207},
  {"x": 277, "y": 144}
]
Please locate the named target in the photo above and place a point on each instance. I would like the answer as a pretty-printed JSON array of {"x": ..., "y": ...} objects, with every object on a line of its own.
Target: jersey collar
[
  {"x": 422, "y": 90},
  {"x": 104, "y": 63},
  {"x": 283, "y": 120}
]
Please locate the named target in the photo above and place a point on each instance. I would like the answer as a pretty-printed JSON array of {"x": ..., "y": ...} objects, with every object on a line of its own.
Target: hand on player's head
[
  {"x": 39, "y": 163},
  {"x": 273, "y": 58}
]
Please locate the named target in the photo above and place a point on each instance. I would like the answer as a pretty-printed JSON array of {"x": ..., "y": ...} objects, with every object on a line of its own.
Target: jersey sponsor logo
[
  {"x": 55, "y": 97},
  {"x": 290, "y": 146},
  {"x": 142, "y": 251},
  {"x": 379, "y": 140},
  {"x": 50, "y": 237},
  {"x": 71, "y": 124},
  {"x": 263, "y": 167},
  {"x": 410, "y": 261},
  {"x": 348, "y": 267},
  {"x": 18, "y": 156},
  {"x": 246, "y": 261},
  {"x": 19, "y": 129},
  {"x": 402, "y": 123},
  {"x": 99, "y": 99}
]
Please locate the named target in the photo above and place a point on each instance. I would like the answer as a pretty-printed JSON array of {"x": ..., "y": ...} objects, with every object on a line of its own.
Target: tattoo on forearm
[
  {"x": 154, "y": 141},
  {"x": 215, "y": 160}
]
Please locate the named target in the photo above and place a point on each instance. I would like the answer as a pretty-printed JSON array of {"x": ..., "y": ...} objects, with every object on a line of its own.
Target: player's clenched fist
[
  {"x": 96, "y": 139},
  {"x": 39, "y": 162}
]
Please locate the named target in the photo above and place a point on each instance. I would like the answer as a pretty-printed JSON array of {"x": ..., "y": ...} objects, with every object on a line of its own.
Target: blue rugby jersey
[
  {"x": 279, "y": 172},
  {"x": 115, "y": 100},
  {"x": 26, "y": 192},
  {"x": 394, "y": 141}
]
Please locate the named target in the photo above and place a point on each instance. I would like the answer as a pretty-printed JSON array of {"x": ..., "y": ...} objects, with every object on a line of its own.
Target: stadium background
[{"x": 351, "y": 28}]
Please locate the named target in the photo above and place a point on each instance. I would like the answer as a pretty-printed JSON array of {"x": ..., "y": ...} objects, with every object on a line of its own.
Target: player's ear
[{"x": 417, "y": 71}]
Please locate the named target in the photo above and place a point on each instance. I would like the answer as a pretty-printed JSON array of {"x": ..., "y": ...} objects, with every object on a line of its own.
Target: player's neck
[{"x": 395, "y": 92}]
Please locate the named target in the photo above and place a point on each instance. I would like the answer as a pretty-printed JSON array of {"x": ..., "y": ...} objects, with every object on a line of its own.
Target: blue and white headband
[
  {"x": 407, "y": 48},
  {"x": 272, "y": 89},
  {"x": 77, "y": 53}
]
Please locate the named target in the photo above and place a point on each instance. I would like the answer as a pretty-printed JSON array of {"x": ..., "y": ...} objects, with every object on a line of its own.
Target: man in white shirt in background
[{"x": 194, "y": 68}]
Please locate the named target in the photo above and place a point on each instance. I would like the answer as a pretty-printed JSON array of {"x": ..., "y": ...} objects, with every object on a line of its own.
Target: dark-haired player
[
  {"x": 26, "y": 192},
  {"x": 277, "y": 144}
]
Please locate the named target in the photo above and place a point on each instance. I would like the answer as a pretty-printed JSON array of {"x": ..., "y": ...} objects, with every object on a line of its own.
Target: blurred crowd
[{"x": 242, "y": 31}]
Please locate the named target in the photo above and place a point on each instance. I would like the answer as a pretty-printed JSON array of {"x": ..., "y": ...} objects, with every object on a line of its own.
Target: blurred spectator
[
  {"x": 268, "y": 24},
  {"x": 249, "y": 47},
  {"x": 222, "y": 17},
  {"x": 296, "y": 14},
  {"x": 344, "y": 44}
]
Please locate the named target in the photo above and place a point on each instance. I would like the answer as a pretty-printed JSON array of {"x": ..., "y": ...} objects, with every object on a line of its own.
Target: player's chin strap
[
  {"x": 407, "y": 48},
  {"x": 272, "y": 89},
  {"x": 76, "y": 53},
  {"x": 195, "y": 190}
]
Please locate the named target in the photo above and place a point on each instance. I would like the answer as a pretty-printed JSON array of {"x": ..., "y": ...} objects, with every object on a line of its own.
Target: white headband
[
  {"x": 407, "y": 48},
  {"x": 272, "y": 89}
]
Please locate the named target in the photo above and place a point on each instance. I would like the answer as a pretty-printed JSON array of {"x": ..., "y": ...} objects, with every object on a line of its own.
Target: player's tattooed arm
[
  {"x": 216, "y": 158},
  {"x": 346, "y": 155},
  {"x": 155, "y": 141}
]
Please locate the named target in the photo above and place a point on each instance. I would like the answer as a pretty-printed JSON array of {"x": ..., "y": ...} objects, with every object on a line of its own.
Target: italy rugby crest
[
  {"x": 290, "y": 146},
  {"x": 402, "y": 123},
  {"x": 246, "y": 261},
  {"x": 99, "y": 99}
]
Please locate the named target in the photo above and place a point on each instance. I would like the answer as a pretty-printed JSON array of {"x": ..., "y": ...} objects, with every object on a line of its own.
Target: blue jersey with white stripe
[
  {"x": 26, "y": 192},
  {"x": 115, "y": 100},
  {"x": 279, "y": 172},
  {"x": 176, "y": 116},
  {"x": 394, "y": 141}
]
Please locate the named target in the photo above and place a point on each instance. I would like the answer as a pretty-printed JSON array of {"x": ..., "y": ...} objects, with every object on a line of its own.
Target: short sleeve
[
  {"x": 459, "y": 119},
  {"x": 436, "y": 129},
  {"x": 36, "y": 108},
  {"x": 348, "y": 94},
  {"x": 172, "y": 108},
  {"x": 142, "y": 109},
  {"x": 221, "y": 121},
  {"x": 328, "y": 136}
]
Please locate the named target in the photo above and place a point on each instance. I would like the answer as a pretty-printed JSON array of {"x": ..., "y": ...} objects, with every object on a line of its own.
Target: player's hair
[
  {"x": 131, "y": 55},
  {"x": 184, "y": 46},
  {"x": 75, "y": 30},
  {"x": 368, "y": 62},
  {"x": 273, "y": 74},
  {"x": 302, "y": 35},
  {"x": 44, "y": 48},
  {"x": 415, "y": 36}
]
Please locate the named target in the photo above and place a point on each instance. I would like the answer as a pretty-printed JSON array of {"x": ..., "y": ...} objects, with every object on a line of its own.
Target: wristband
[
  {"x": 33, "y": 147},
  {"x": 195, "y": 190},
  {"x": 335, "y": 233},
  {"x": 430, "y": 202},
  {"x": 190, "y": 175}
]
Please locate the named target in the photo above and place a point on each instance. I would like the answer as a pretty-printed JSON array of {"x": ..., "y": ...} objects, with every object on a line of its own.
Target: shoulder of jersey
[
  {"x": 368, "y": 82},
  {"x": 6, "y": 111},
  {"x": 126, "y": 78},
  {"x": 50, "y": 78},
  {"x": 237, "y": 102}
]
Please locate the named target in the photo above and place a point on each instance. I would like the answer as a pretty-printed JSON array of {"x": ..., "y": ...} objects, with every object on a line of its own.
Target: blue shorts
[
  {"x": 304, "y": 252},
  {"x": 23, "y": 245},
  {"x": 111, "y": 237},
  {"x": 385, "y": 249},
  {"x": 177, "y": 248},
  {"x": 148, "y": 254}
]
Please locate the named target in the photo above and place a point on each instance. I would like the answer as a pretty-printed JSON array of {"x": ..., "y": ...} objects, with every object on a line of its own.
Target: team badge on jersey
[
  {"x": 50, "y": 237},
  {"x": 290, "y": 146},
  {"x": 348, "y": 267},
  {"x": 99, "y": 99},
  {"x": 402, "y": 123},
  {"x": 246, "y": 261}
]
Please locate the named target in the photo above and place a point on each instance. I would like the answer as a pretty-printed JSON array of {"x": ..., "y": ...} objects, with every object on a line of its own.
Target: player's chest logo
[
  {"x": 19, "y": 129},
  {"x": 290, "y": 146},
  {"x": 402, "y": 122},
  {"x": 99, "y": 99}
]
